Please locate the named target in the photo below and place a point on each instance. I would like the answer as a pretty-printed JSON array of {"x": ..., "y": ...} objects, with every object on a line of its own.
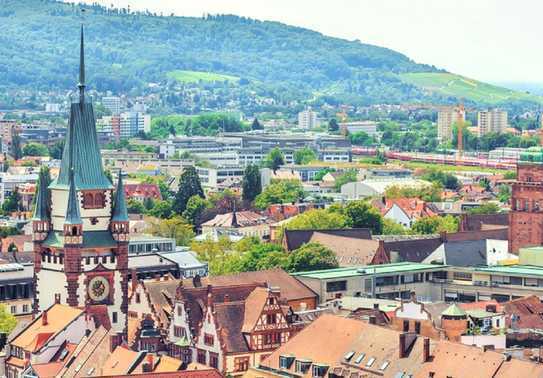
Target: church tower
[{"x": 80, "y": 227}]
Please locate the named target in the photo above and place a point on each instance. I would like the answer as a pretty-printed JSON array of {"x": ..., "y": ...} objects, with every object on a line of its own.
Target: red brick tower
[{"x": 526, "y": 217}]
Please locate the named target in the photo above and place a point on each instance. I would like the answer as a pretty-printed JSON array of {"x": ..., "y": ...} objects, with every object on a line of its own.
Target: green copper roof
[
  {"x": 454, "y": 310},
  {"x": 73, "y": 216},
  {"x": 120, "y": 213},
  {"x": 41, "y": 210},
  {"x": 532, "y": 155},
  {"x": 81, "y": 151},
  {"x": 183, "y": 342},
  {"x": 91, "y": 239}
]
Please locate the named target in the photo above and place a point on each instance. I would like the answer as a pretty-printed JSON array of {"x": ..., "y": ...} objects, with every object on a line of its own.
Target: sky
[{"x": 497, "y": 41}]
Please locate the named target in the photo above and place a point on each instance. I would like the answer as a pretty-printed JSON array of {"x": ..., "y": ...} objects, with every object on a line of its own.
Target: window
[
  {"x": 336, "y": 286},
  {"x": 406, "y": 325},
  {"x": 178, "y": 331},
  {"x": 208, "y": 339},
  {"x": 271, "y": 318},
  {"x": 201, "y": 356},
  {"x": 417, "y": 328},
  {"x": 461, "y": 276},
  {"x": 114, "y": 316},
  {"x": 302, "y": 366},
  {"x": 370, "y": 362},
  {"x": 104, "y": 259},
  {"x": 214, "y": 360},
  {"x": 272, "y": 338},
  {"x": 13, "y": 309},
  {"x": 112, "y": 259},
  {"x": 138, "y": 298},
  {"x": 319, "y": 370},
  {"x": 241, "y": 364},
  {"x": 25, "y": 309}
]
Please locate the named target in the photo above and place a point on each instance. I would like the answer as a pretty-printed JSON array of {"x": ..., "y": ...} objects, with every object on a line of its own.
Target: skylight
[
  {"x": 384, "y": 365},
  {"x": 370, "y": 362},
  {"x": 349, "y": 355}
]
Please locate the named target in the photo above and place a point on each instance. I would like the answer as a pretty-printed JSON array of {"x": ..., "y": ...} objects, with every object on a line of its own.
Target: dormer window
[{"x": 302, "y": 366}]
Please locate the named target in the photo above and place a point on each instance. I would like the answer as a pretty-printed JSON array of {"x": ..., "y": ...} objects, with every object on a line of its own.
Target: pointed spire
[
  {"x": 81, "y": 84},
  {"x": 120, "y": 213},
  {"x": 41, "y": 211},
  {"x": 73, "y": 215}
]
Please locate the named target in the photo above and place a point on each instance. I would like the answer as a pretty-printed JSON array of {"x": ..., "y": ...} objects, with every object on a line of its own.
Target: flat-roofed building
[
  {"x": 446, "y": 119},
  {"x": 491, "y": 121}
]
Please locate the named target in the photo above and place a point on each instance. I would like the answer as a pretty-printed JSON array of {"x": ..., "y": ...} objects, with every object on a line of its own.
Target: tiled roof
[
  {"x": 349, "y": 251},
  {"x": 143, "y": 189},
  {"x": 294, "y": 239},
  {"x": 121, "y": 361},
  {"x": 237, "y": 219},
  {"x": 528, "y": 312},
  {"x": 161, "y": 295},
  {"x": 413, "y": 208},
  {"x": 167, "y": 364},
  {"x": 229, "y": 317},
  {"x": 518, "y": 368},
  {"x": 207, "y": 373},
  {"x": 36, "y": 335},
  {"x": 254, "y": 305}
]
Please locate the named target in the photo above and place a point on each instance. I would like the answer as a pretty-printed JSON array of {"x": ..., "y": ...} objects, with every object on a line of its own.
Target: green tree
[
  {"x": 220, "y": 255},
  {"x": 349, "y": 175},
  {"x": 274, "y": 159},
  {"x": 11, "y": 203},
  {"x": 504, "y": 193},
  {"x": 7, "y": 320},
  {"x": 486, "y": 208},
  {"x": 485, "y": 183},
  {"x": 256, "y": 125},
  {"x": 391, "y": 227},
  {"x": 176, "y": 227},
  {"x": 320, "y": 174},
  {"x": 161, "y": 209},
  {"x": 251, "y": 185},
  {"x": 435, "y": 224},
  {"x": 283, "y": 191},
  {"x": 135, "y": 207},
  {"x": 428, "y": 193},
  {"x": 445, "y": 179},
  {"x": 311, "y": 256},
  {"x": 109, "y": 175},
  {"x": 263, "y": 256},
  {"x": 510, "y": 175},
  {"x": 360, "y": 214},
  {"x": 304, "y": 156},
  {"x": 189, "y": 185},
  {"x": 196, "y": 205},
  {"x": 16, "y": 149},
  {"x": 361, "y": 138},
  {"x": 318, "y": 219},
  {"x": 333, "y": 126},
  {"x": 148, "y": 203},
  {"x": 56, "y": 150},
  {"x": 35, "y": 149}
]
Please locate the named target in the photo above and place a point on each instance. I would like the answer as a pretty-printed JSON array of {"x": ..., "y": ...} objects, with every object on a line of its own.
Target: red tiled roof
[
  {"x": 142, "y": 190},
  {"x": 208, "y": 373},
  {"x": 414, "y": 208}
]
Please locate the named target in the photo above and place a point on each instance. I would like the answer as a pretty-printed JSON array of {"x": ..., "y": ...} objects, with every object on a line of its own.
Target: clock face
[{"x": 98, "y": 289}]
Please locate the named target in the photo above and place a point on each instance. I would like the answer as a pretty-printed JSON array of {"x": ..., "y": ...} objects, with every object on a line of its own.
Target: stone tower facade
[{"x": 81, "y": 228}]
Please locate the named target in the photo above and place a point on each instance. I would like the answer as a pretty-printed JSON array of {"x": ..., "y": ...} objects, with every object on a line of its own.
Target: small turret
[
  {"x": 119, "y": 219},
  {"x": 73, "y": 225},
  {"x": 41, "y": 221}
]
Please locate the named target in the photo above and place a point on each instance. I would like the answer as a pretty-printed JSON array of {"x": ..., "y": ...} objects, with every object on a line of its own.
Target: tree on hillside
[
  {"x": 274, "y": 159},
  {"x": 251, "y": 185},
  {"x": 311, "y": 256},
  {"x": 333, "y": 126},
  {"x": 304, "y": 156},
  {"x": 35, "y": 149},
  {"x": 176, "y": 228},
  {"x": 16, "y": 149},
  {"x": 256, "y": 125},
  {"x": 360, "y": 214},
  {"x": 189, "y": 185}
]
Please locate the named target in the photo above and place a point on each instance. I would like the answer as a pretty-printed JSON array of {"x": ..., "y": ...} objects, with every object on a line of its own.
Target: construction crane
[{"x": 460, "y": 115}]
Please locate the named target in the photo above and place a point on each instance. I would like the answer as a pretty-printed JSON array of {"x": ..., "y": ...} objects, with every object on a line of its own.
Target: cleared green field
[
  {"x": 196, "y": 76},
  {"x": 462, "y": 87}
]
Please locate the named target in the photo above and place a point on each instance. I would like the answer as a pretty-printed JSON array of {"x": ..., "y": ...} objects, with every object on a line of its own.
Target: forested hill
[{"x": 126, "y": 51}]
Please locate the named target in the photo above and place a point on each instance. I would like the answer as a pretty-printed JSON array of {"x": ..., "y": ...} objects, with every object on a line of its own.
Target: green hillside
[
  {"x": 197, "y": 76},
  {"x": 126, "y": 51},
  {"x": 451, "y": 85}
]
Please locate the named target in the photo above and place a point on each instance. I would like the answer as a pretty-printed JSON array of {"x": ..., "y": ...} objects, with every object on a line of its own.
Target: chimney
[
  {"x": 147, "y": 366},
  {"x": 376, "y": 306},
  {"x": 401, "y": 351},
  {"x": 373, "y": 320},
  {"x": 134, "y": 279},
  {"x": 426, "y": 350},
  {"x": 44, "y": 318}
]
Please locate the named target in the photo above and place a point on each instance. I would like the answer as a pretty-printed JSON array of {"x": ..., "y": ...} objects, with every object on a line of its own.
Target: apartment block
[
  {"x": 307, "y": 119},
  {"x": 446, "y": 119},
  {"x": 491, "y": 121}
]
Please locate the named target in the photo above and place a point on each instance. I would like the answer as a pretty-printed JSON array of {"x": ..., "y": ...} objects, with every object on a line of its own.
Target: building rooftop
[
  {"x": 366, "y": 270},
  {"x": 515, "y": 270}
]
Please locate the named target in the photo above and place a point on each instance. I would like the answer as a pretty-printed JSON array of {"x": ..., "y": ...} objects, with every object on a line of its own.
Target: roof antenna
[{"x": 81, "y": 84}]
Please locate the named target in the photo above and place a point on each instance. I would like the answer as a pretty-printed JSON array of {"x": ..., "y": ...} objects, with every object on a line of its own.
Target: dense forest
[{"x": 127, "y": 50}]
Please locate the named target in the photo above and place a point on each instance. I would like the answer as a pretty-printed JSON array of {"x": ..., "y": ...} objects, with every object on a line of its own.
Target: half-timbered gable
[{"x": 208, "y": 348}]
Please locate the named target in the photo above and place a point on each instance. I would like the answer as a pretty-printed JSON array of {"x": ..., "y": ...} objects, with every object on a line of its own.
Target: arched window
[
  {"x": 88, "y": 200},
  {"x": 99, "y": 200},
  {"x": 74, "y": 231}
]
